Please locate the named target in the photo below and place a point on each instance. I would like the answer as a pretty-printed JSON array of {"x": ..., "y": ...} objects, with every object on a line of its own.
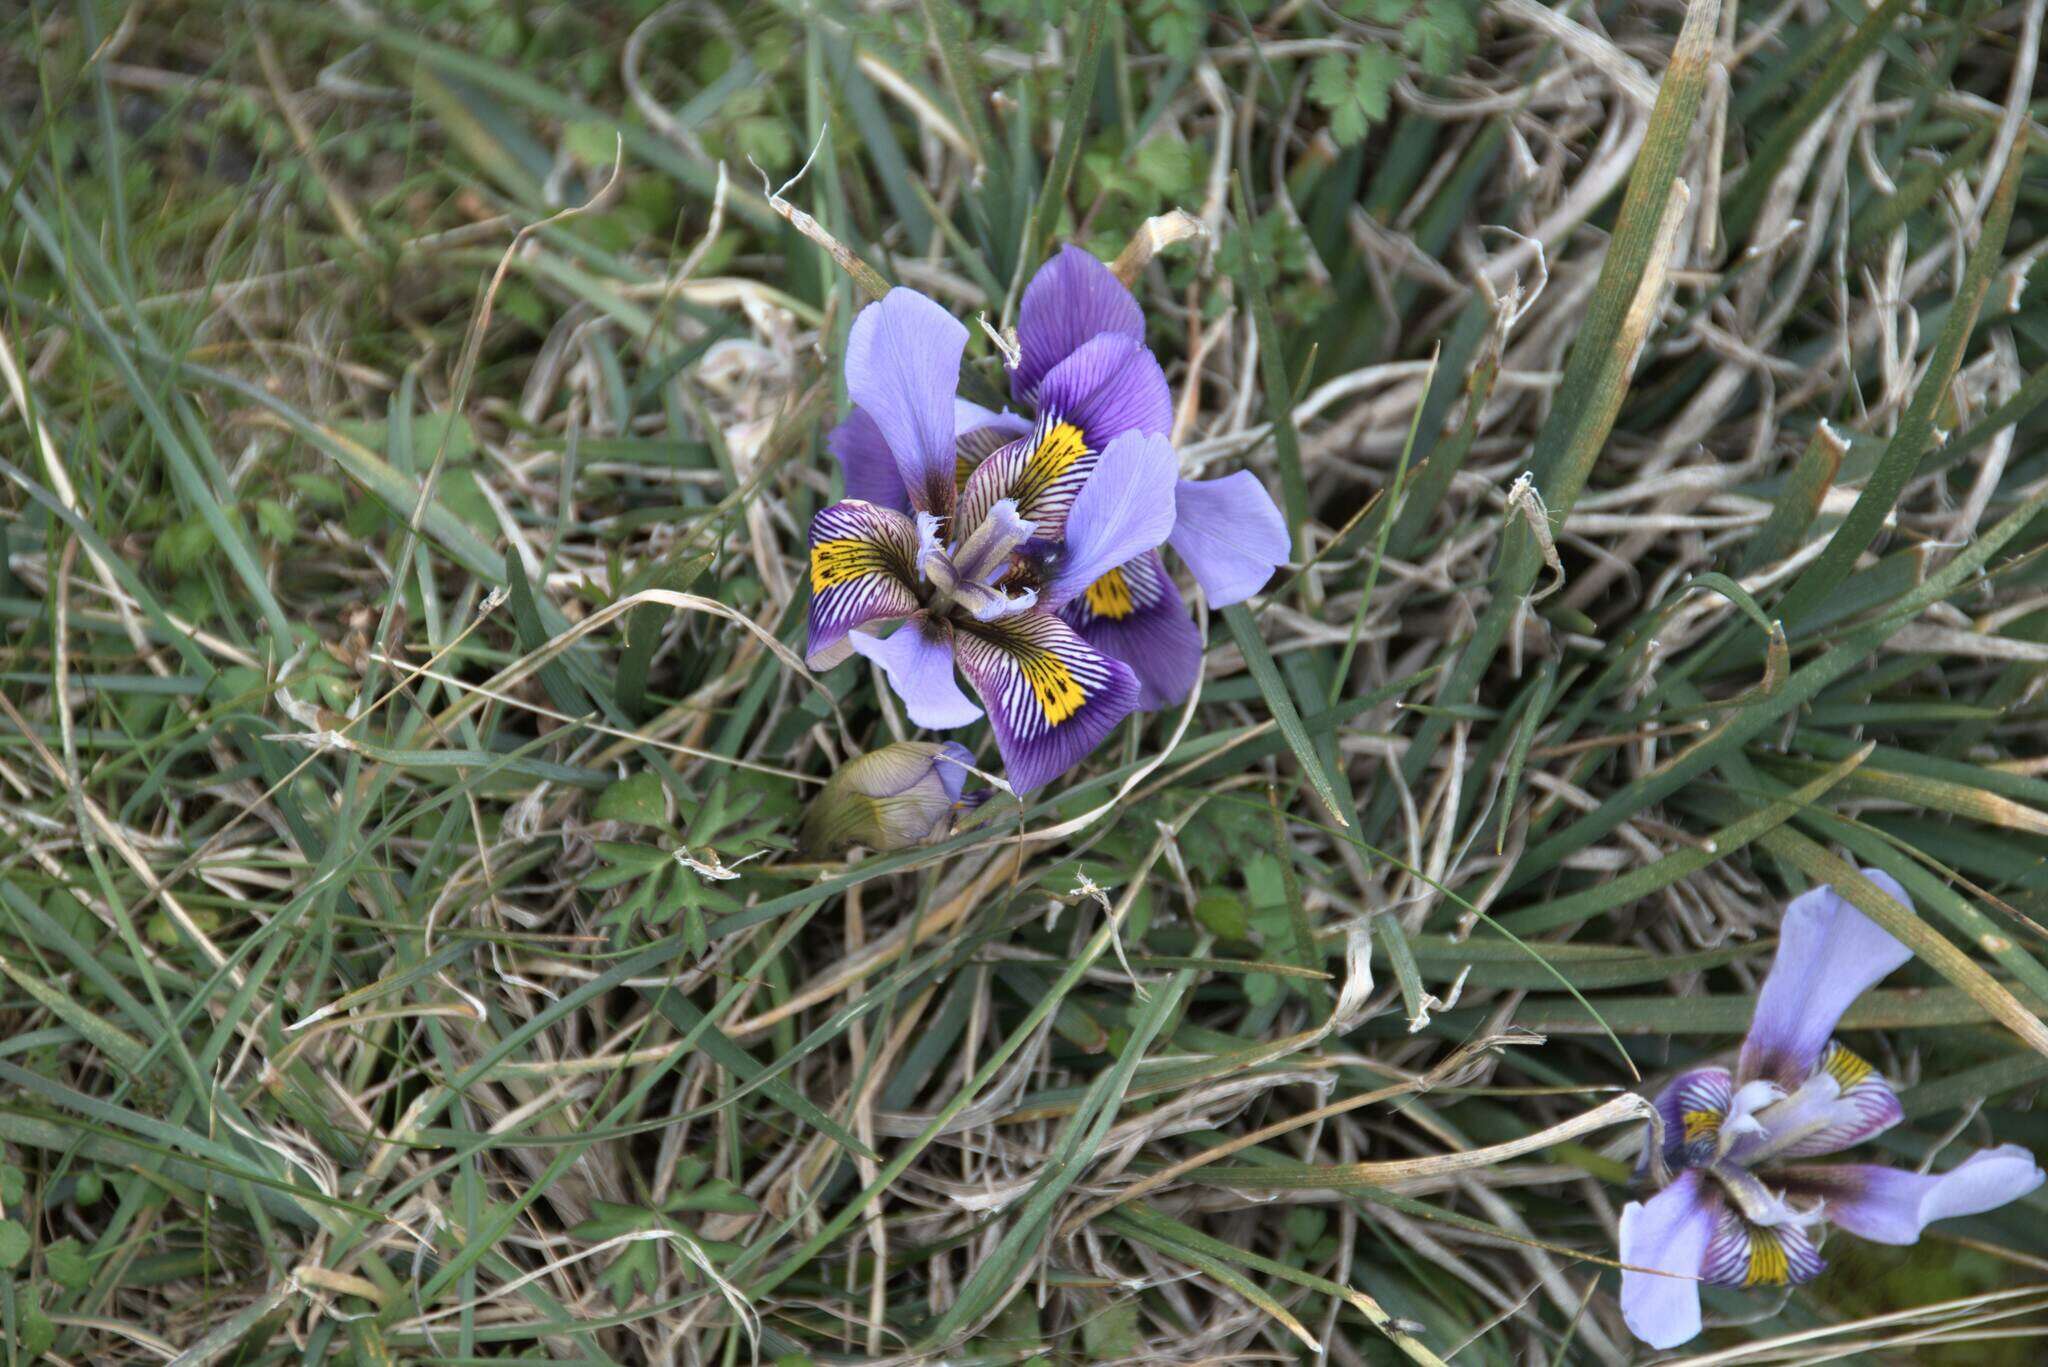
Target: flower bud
[{"x": 888, "y": 799}]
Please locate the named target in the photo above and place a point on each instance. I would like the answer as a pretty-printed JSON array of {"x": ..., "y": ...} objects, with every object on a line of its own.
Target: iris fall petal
[
  {"x": 1667, "y": 1234},
  {"x": 1893, "y": 1205}
]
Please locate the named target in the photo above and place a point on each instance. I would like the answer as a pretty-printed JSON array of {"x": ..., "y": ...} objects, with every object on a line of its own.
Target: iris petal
[
  {"x": 1693, "y": 1105},
  {"x": 970, "y": 418},
  {"x": 866, "y": 464},
  {"x": 1829, "y": 954},
  {"x": 1893, "y": 1205},
  {"x": 1124, "y": 510},
  {"x": 862, "y": 559},
  {"x": 902, "y": 367},
  {"x": 1845, "y": 1102},
  {"x": 1041, "y": 474},
  {"x": 980, "y": 433},
  {"x": 889, "y": 799},
  {"x": 1135, "y": 614},
  {"x": 1071, "y": 299},
  {"x": 1109, "y": 386},
  {"x": 1051, "y": 697},
  {"x": 1230, "y": 534},
  {"x": 918, "y": 660},
  {"x": 1668, "y": 1234}
]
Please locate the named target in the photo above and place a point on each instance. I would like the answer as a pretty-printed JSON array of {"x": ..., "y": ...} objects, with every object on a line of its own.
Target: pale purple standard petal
[
  {"x": 918, "y": 660},
  {"x": 902, "y": 366},
  {"x": 1109, "y": 386},
  {"x": 1893, "y": 1205},
  {"x": 1829, "y": 954},
  {"x": 1071, "y": 299},
  {"x": 1125, "y": 509},
  {"x": 863, "y": 571},
  {"x": 1051, "y": 697},
  {"x": 867, "y": 466},
  {"x": 1230, "y": 535},
  {"x": 1135, "y": 614},
  {"x": 1669, "y": 1234}
]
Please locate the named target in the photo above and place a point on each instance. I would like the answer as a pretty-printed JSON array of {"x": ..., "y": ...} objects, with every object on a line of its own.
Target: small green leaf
[
  {"x": 1175, "y": 27},
  {"x": 181, "y": 548},
  {"x": 1305, "y": 1225},
  {"x": 718, "y": 1197},
  {"x": 67, "y": 1264},
  {"x": 38, "y": 1335},
  {"x": 638, "y": 799},
  {"x": 1261, "y": 988},
  {"x": 645, "y": 623},
  {"x": 633, "y": 860},
  {"x": 13, "y": 1243},
  {"x": 430, "y": 431},
  {"x": 1111, "y": 1333},
  {"x": 1354, "y": 87},
  {"x": 593, "y": 141},
  {"x": 166, "y": 932},
  {"x": 275, "y": 519},
  {"x": 464, "y": 497},
  {"x": 1223, "y": 915},
  {"x": 1440, "y": 36},
  {"x": 766, "y": 140}
]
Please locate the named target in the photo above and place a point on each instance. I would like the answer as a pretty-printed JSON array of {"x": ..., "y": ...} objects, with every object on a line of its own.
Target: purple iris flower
[
  {"x": 1085, "y": 377},
  {"x": 976, "y": 562},
  {"x": 1734, "y": 1214}
]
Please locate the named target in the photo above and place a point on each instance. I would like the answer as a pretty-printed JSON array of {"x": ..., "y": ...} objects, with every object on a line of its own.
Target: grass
[{"x": 412, "y": 417}]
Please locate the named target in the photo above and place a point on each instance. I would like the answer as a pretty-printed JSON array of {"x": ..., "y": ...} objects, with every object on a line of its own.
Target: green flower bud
[{"x": 889, "y": 799}]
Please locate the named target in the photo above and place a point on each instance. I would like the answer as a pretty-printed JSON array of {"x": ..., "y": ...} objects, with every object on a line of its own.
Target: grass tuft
[{"x": 410, "y": 420}]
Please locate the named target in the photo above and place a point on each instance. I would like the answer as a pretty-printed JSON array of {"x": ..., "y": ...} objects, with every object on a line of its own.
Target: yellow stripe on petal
[
  {"x": 1844, "y": 1067},
  {"x": 1742, "y": 1253},
  {"x": 1768, "y": 1265},
  {"x": 1110, "y": 596},
  {"x": 844, "y": 559},
  {"x": 1130, "y": 590},
  {"x": 1057, "y": 451},
  {"x": 1701, "y": 1124},
  {"x": 1058, "y": 693}
]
